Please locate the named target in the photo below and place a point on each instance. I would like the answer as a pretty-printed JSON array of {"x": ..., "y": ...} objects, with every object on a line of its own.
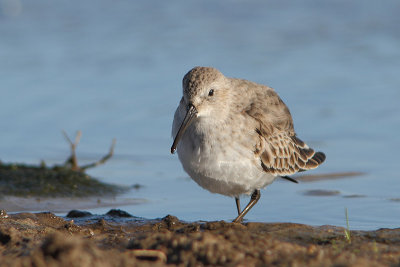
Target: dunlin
[{"x": 235, "y": 136}]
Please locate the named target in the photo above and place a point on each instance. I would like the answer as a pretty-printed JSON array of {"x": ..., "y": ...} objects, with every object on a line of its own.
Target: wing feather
[
  {"x": 286, "y": 155},
  {"x": 280, "y": 151}
]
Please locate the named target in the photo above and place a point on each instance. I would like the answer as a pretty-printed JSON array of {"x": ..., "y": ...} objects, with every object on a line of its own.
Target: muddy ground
[{"x": 119, "y": 239}]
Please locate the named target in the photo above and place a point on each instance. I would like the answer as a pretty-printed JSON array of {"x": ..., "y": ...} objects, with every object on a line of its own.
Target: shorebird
[{"x": 235, "y": 136}]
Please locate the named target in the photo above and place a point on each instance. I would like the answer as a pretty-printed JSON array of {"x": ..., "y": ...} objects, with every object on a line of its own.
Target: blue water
[{"x": 114, "y": 69}]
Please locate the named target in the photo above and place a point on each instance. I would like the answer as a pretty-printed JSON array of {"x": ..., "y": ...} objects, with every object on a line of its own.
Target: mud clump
[
  {"x": 78, "y": 214},
  {"x": 119, "y": 213},
  {"x": 43, "y": 239}
]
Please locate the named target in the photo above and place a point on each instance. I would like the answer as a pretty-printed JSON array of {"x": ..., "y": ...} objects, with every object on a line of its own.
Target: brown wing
[
  {"x": 286, "y": 155},
  {"x": 271, "y": 113},
  {"x": 280, "y": 151}
]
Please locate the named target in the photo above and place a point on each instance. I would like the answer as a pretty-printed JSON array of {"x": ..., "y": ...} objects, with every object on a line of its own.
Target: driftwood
[{"x": 72, "y": 161}]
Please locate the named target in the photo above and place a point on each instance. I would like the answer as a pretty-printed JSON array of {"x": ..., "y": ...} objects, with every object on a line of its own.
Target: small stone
[
  {"x": 118, "y": 213},
  {"x": 78, "y": 214}
]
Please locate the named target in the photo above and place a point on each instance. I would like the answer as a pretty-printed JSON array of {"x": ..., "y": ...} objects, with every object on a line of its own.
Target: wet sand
[
  {"x": 119, "y": 239},
  {"x": 63, "y": 204}
]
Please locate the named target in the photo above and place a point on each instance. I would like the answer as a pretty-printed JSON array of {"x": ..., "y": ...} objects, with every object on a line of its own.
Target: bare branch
[
  {"x": 67, "y": 138},
  {"x": 103, "y": 159},
  {"x": 72, "y": 160},
  {"x": 78, "y": 137}
]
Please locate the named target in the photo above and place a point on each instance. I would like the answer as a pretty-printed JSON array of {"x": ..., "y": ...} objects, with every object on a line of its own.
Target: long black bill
[{"x": 190, "y": 114}]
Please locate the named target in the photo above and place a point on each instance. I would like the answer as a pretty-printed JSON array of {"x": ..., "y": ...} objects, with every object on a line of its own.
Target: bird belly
[{"x": 228, "y": 170}]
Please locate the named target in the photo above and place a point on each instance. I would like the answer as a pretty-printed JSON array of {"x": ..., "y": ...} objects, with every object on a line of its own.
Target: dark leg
[
  {"x": 237, "y": 199},
  {"x": 253, "y": 200}
]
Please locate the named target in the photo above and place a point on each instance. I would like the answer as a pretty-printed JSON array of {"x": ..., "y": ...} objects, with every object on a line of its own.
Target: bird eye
[{"x": 211, "y": 92}]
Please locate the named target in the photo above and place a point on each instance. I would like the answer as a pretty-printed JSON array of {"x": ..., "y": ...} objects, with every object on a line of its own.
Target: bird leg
[
  {"x": 253, "y": 200},
  {"x": 237, "y": 199}
]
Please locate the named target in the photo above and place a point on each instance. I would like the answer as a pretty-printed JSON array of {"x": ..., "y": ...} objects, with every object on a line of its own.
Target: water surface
[{"x": 114, "y": 69}]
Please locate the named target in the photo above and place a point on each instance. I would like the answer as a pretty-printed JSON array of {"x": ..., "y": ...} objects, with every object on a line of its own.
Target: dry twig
[
  {"x": 72, "y": 161},
  {"x": 103, "y": 159}
]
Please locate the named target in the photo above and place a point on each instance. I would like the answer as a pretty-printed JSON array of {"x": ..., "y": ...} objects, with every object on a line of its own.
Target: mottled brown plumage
[{"x": 235, "y": 136}]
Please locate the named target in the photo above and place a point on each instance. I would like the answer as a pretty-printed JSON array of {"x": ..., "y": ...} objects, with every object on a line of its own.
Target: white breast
[{"x": 218, "y": 161}]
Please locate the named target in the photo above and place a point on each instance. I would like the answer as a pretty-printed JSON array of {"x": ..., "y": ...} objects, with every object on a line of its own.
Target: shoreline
[
  {"x": 16, "y": 204},
  {"x": 118, "y": 238}
]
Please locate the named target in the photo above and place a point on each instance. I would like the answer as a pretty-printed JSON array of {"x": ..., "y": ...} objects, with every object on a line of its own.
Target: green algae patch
[
  {"x": 66, "y": 180},
  {"x": 59, "y": 181}
]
